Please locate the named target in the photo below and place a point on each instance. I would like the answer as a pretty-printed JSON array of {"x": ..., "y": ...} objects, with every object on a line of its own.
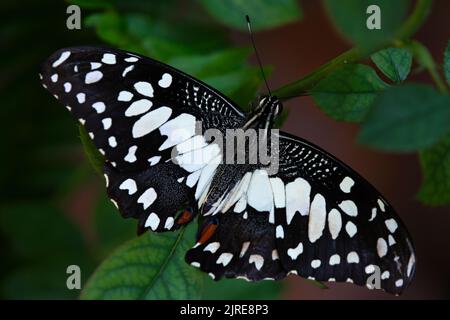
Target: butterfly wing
[
  {"x": 315, "y": 217},
  {"x": 333, "y": 225},
  {"x": 141, "y": 113}
]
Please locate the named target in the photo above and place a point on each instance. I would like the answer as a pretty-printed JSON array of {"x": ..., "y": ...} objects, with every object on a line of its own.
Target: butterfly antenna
[{"x": 256, "y": 52}]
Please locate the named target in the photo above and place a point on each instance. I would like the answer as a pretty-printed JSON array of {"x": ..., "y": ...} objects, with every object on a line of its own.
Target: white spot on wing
[
  {"x": 335, "y": 259},
  {"x": 67, "y": 87},
  {"x": 346, "y": 184},
  {"x": 351, "y": 229},
  {"x": 144, "y": 88},
  {"x": 279, "y": 232},
  {"x": 63, "y": 57},
  {"x": 138, "y": 107},
  {"x": 259, "y": 194},
  {"x": 212, "y": 247},
  {"x": 125, "y": 96},
  {"x": 165, "y": 81},
  {"x": 129, "y": 185},
  {"x": 109, "y": 58},
  {"x": 177, "y": 130},
  {"x": 99, "y": 107},
  {"x": 151, "y": 121},
  {"x": 147, "y": 198},
  {"x": 349, "y": 207},
  {"x": 107, "y": 122},
  {"x": 391, "y": 224},
  {"x": 152, "y": 221},
  {"x": 131, "y": 155},
  {"x": 317, "y": 217},
  {"x": 382, "y": 247},
  {"x": 334, "y": 223},
  {"x": 295, "y": 252},
  {"x": 81, "y": 97},
  {"x": 278, "y": 190},
  {"x": 93, "y": 77},
  {"x": 257, "y": 259},
  {"x": 297, "y": 198},
  {"x": 224, "y": 258},
  {"x": 353, "y": 257},
  {"x": 154, "y": 160}
]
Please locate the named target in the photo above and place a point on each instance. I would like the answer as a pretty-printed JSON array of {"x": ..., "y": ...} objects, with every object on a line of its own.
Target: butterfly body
[{"x": 298, "y": 211}]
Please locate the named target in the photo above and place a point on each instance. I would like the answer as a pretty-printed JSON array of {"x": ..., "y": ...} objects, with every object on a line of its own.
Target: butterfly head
[{"x": 268, "y": 108}]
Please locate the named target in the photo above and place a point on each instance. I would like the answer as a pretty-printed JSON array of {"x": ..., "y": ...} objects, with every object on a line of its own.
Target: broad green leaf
[
  {"x": 348, "y": 93},
  {"x": 407, "y": 118},
  {"x": 216, "y": 63},
  {"x": 238, "y": 289},
  {"x": 350, "y": 17},
  {"x": 95, "y": 158},
  {"x": 264, "y": 14},
  {"x": 149, "y": 267},
  {"x": 447, "y": 63},
  {"x": 154, "y": 37},
  {"x": 395, "y": 63},
  {"x": 435, "y": 162}
]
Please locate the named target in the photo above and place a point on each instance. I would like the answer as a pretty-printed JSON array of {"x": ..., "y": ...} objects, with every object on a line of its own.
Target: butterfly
[{"x": 314, "y": 216}]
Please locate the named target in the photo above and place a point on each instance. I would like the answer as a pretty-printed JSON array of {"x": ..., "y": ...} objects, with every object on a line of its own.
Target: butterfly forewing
[{"x": 137, "y": 110}]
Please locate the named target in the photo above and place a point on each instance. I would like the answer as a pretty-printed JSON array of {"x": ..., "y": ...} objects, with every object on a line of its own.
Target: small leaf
[
  {"x": 435, "y": 162},
  {"x": 149, "y": 267},
  {"x": 395, "y": 63},
  {"x": 96, "y": 159},
  {"x": 351, "y": 19},
  {"x": 447, "y": 63},
  {"x": 348, "y": 93},
  {"x": 407, "y": 118},
  {"x": 264, "y": 14}
]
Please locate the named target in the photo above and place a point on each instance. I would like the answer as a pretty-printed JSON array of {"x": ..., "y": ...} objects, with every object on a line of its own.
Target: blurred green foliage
[{"x": 44, "y": 168}]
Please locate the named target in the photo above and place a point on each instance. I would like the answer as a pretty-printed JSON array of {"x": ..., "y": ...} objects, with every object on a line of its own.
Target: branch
[{"x": 302, "y": 86}]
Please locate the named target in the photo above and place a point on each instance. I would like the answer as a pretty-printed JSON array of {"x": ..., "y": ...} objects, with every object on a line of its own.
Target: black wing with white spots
[
  {"x": 316, "y": 218},
  {"x": 139, "y": 112},
  {"x": 335, "y": 226}
]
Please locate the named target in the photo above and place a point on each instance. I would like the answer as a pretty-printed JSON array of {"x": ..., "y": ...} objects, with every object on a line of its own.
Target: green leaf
[
  {"x": 447, "y": 63},
  {"x": 156, "y": 38},
  {"x": 96, "y": 159},
  {"x": 149, "y": 267},
  {"x": 264, "y": 14},
  {"x": 350, "y": 18},
  {"x": 216, "y": 63},
  {"x": 395, "y": 63},
  {"x": 435, "y": 162},
  {"x": 239, "y": 289},
  {"x": 407, "y": 118},
  {"x": 348, "y": 93}
]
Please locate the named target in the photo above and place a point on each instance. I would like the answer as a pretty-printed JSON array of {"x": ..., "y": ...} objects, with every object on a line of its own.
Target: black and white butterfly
[{"x": 315, "y": 217}]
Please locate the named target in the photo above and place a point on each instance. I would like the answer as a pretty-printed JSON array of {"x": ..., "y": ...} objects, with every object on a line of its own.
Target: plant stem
[
  {"x": 425, "y": 59},
  {"x": 302, "y": 86}
]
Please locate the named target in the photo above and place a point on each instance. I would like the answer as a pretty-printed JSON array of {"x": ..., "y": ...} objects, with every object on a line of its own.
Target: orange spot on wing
[
  {"x": 207, "y": 233},
  {"x": 185, "y": 217}
]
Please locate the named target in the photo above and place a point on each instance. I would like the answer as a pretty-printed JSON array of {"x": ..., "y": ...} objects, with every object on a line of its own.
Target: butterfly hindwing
[
  {"x": 242, "y": 246},
  {"x": 140, "y": 113}
]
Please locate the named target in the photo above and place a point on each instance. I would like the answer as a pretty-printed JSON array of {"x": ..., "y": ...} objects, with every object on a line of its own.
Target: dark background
[{"x": 41, "y": 152}]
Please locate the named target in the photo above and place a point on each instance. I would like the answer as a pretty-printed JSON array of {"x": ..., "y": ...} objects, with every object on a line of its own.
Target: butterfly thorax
[{"x": 241, "y": 157}]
